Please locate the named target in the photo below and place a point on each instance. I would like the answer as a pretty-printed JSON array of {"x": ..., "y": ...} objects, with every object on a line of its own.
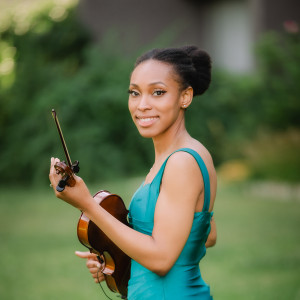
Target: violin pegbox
[{"x": 66, "y": 173}]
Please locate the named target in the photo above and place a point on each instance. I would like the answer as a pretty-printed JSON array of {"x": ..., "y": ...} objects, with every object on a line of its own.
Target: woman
[{"x": 171, "y": 212}]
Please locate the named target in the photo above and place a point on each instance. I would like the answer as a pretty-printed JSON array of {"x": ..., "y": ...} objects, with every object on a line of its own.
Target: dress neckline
[{"x": 204, "y": 173}]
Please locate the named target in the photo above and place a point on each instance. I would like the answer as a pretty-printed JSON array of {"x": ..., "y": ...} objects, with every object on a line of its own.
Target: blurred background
[{"x": 76, "y": 56}]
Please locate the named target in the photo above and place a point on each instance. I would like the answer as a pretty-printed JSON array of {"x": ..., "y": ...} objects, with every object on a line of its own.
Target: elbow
[
  {"x": 162, "y": 268},
  {"x": 212, "y": 237},
  {"x": 211, "y": 241},
  {"x": 161, "y": 271}
]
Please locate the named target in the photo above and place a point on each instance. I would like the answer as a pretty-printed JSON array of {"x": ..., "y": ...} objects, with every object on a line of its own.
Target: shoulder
[
  {"x": 182, "y": 169},
  {"x": 181, "y": 161},
  {"x": 182, "y": 182},
  {"x": 185, "y": 161},
  {"x": 205, "y": 155}
]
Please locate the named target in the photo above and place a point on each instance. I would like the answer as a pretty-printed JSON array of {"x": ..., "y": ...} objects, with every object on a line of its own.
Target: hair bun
[
  {"x": 202, "y": 64},
  {"x": 192, "y": 65}
]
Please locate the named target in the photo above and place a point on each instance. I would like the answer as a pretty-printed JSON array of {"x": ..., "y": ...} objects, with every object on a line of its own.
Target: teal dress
[{"x": 184, "y": 280}]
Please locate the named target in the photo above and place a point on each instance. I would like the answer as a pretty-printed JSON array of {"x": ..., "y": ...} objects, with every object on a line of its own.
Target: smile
[{"x": 146, "y": 121}]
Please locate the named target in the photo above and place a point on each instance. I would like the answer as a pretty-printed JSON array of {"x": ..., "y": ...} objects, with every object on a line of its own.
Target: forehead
[{"x": 151, "y": 71}]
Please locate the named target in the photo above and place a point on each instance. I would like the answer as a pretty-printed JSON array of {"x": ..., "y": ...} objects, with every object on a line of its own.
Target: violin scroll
[{"x": 66, "y": 173}]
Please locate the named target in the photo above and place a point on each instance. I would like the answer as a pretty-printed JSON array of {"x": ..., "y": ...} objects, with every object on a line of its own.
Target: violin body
[{"x": 116, "y": 264}]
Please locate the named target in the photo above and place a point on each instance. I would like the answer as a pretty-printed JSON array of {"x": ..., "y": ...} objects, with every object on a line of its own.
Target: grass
[{"x": 257, "y": 255}]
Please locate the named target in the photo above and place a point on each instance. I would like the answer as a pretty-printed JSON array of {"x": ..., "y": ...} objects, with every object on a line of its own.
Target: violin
[{"x": 115, "y": 264}]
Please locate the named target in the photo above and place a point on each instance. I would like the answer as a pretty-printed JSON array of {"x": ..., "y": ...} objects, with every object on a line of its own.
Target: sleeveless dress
[{"x": 184, "y": 280}]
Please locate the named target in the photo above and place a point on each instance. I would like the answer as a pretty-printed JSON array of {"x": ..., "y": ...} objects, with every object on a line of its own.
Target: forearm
[{"x": 140, "y": 247}]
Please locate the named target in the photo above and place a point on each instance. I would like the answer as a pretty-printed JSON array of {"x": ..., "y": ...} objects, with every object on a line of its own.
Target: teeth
[{"x": 147, "y": 119}]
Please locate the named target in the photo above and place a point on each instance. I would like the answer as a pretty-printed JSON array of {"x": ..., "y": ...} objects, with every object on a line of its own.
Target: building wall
[
  {"x": 140, "y": 22},
  {"x": 275, "y": 13},
  {"x": 227, "y": 29},
  {"x": 231, "y": 36}
]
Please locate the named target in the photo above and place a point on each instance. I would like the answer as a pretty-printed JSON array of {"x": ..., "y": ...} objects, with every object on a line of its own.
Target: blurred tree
[
  {"x": 52, "y": 63},
  {"x": 57, "y": 66},
  {"x": 279, "y": 58}
]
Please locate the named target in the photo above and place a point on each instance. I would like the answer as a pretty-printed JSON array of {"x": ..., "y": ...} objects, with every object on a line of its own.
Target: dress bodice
[{"x": 141, "y": 218}]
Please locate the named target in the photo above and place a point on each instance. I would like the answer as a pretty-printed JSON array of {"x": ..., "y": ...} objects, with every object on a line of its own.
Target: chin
[{"x": 146, "y": 133}]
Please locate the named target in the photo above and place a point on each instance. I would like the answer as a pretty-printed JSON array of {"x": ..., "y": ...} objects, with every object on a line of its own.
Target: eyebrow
[{"x": 153, "y": 83}]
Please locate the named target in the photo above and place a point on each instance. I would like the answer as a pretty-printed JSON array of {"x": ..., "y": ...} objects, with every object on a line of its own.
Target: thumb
[{"x": 86, "y": 254}]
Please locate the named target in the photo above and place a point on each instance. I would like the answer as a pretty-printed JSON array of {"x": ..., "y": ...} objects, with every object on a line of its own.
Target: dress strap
[{"x": 204, "y": 173}]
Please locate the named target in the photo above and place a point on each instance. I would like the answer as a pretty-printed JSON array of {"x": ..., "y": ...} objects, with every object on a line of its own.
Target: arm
[
  {"x": 212, "y": 237},
  {"x": 175, "y": 206}
]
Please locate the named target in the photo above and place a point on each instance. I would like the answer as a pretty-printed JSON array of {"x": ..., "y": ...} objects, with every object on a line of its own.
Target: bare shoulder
[
  {"x": 182, "y": 170},
  {"x": 202, "y": 151},
  {"x": 182, "y": 161},
  {"x": 208, "y": 160},
  {"x": 182, "y": 182},
  {"x": 182, "y": 164},
  {"x": 205, "y": 155}
]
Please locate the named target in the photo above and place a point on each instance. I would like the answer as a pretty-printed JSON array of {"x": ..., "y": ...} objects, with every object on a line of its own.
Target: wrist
[{"x": 90, "y": 207}]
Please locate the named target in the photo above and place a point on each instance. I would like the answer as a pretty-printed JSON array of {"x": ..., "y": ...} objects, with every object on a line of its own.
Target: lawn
[{"x": 257, "y": 255}]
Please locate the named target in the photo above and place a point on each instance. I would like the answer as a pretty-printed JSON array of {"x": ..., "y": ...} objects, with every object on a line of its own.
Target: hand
[
  {"x": 92, "y": 264},
  {"x": 78, "y": 195}
]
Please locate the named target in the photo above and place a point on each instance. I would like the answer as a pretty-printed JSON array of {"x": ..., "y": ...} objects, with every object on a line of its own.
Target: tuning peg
[
  {"x": 75, "y": 167},
  {"x": 61, "y": 185}
]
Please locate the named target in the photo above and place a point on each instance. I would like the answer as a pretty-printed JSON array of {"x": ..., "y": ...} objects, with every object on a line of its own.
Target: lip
[{"x": 146, "y": 121}]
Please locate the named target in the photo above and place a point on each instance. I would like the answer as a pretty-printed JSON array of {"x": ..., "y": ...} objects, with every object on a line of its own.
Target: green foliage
[
  {"x": 51, "y": 62},
  {"x": 275, "y": 155},
  {"x": 251, "y": 117},
  {"x": 59, "y": 68},
  {"x": 279, "y": 58},
  {"x": 223, "y": 116}
]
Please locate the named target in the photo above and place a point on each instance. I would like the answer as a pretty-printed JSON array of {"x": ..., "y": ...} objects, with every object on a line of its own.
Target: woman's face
[{"x": 155, "y": 98}]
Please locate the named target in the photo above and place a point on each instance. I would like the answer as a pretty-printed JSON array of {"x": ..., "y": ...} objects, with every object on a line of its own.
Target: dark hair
[{"x": 192, "y": 65}]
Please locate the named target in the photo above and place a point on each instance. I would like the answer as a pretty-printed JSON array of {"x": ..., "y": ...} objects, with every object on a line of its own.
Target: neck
[{"x": 169, "y": 141}]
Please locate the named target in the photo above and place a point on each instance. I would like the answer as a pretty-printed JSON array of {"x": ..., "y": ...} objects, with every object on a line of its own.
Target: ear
[{"x": 186, "y": 97}]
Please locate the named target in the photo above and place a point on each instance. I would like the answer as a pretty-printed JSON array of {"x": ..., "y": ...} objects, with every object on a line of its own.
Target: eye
[
  {"x": 133, "y": 93},
  {"x": 159, "y": 92}
]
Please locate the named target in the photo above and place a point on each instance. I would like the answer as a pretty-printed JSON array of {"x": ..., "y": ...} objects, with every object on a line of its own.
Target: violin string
[{"x": 102, "y": 286}]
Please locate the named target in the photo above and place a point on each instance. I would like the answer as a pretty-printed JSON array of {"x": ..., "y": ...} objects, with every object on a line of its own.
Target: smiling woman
[
  {"x": 171, "y": 213},
  {"x": 154, "y": 98}
]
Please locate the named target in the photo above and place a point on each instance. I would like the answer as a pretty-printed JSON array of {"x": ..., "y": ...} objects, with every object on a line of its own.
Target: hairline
[{"x": 176, "y": 75}]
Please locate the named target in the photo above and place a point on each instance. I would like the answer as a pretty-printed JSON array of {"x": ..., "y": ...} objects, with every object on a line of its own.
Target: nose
[{"x": 144, "y": 103}]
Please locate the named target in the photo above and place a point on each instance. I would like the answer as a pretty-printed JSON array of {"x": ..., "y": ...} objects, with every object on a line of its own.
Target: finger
[
  {"x": 51, "y": 166},
  {"x": 53, "y": 177},
  {"x": 53, "y": 161},
  {"x": 93, "y": 264},
  {"x": 86, "y": 254},
  {"x": 95, "y": 272},
  {"x": 99, "y": 278}
]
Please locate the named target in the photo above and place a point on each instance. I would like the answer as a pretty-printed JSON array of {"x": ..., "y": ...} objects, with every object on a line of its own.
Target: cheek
[
  {"x": 171, "y": 106},
  {"x": 131, "y": 107}
]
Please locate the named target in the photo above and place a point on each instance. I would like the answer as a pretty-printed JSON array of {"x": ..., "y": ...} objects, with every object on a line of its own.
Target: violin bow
[{"x": 62, "y": 138}]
